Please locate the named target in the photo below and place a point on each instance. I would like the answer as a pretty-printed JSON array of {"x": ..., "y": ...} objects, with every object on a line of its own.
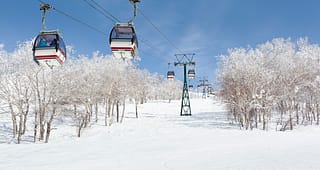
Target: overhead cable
[
  {"x": 157, "y": 29},
  {"x": 102, "y": 10},
  {"x": 75, "y": 19}
]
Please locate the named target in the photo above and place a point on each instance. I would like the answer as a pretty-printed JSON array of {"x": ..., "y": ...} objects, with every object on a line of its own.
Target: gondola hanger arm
[
  {"x": 133, "y": 2},
  {"x": 44, "y": 7}
]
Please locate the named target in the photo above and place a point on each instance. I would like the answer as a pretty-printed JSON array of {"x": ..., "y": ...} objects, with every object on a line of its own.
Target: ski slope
[{"x": 161, "y": 139}]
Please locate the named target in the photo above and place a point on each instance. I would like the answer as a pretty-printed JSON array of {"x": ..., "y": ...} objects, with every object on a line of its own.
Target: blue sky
[{"x": 205, "y": 27}]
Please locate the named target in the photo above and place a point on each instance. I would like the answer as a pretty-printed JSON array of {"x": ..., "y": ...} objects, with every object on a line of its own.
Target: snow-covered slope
[{"x": 161, "y": 139}]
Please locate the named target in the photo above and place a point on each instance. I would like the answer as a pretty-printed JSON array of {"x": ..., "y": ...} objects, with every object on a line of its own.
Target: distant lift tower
[
  {"x": 204, "y": 85},
  {"x": 184, "y": 60}
]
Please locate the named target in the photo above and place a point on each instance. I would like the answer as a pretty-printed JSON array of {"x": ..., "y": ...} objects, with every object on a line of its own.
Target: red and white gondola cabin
[
  {"x": 49, "y": 49},
  {"x": 191, "y": 74},
  {"x": 170, "y": 75},
  {"x": 123, "y": 41}
]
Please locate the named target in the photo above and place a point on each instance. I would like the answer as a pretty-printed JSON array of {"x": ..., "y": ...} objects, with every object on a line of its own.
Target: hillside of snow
[{"x": 161, "y": 139}]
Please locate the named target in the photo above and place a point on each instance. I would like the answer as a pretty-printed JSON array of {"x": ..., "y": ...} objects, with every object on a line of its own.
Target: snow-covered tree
[
  {"x": 277, "y": 77},
  {"x": 77, "y": 89}
]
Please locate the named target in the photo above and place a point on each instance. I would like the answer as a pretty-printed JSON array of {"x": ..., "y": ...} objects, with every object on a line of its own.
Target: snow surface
[{"x": 161, "y": 139}]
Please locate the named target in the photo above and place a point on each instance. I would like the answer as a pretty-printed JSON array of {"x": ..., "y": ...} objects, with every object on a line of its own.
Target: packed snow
[{"x": 161, "y": 139}]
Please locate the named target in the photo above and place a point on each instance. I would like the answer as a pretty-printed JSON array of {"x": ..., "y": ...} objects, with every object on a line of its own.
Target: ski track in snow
[{"x": 161, "y": 139}]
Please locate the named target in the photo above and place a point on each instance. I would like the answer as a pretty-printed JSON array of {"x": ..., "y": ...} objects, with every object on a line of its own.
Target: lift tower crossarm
[{"x": 184, "y": 59}]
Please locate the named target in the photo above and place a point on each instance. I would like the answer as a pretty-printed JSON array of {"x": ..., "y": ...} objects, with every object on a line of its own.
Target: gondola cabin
[
  {"x": 190, "y": 87},
  {"x": 123, "y": 41},
  {"x": 191, "y": 74},
  {"x": 49, "y": 49},
  {"x": 170, "y": 75}
]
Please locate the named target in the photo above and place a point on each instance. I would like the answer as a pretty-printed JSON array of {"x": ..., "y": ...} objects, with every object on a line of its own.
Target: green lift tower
[{"x": 185, "y": 60}]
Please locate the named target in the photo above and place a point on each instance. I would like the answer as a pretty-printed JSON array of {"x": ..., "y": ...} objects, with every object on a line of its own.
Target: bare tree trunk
[
  {"x": 317, "y": 105},
  {"x": 241, "y": 121},
  {"x": 20, "y": 127},
  {"x": 14, "y": 121},
  {"x": 136, "y": 110},
  {"x": 75, "y": 110},
  {"x": 80, "y": 126},
  {"x": 90, "y": 112},
  {"x": 96, "y": 111},
  {"x": 41, "y": 109},
  {"x": 264, "y": 121},
  {"x": 49, "y": 123},
  {"x": 297, "y": 113},
  {"x": 312, "y": 117},
  {"x": 79, "y": 119},
  {"x": 313, "y": 113},
  {"x": 42, "y": 122},
  {"x": 25, "y": 119},
  {"x": 284, "y": 126},
  {"x": 303, "y": 117},
  {"x": 27, "y": 102},
  {"x": 308, "y": 111},
  {"x": 110, "y": 106},
  {"x": 290, "y": 121},
  {"x": 112, "y": 113},
  {"x": 35, "y": 126},
  {"x": 123, "y": 111},
  {"x": 106, "y": 116},
  {"x": 246, "y": 121},
  {"x": 281, "y": 112},
  {"x": 234, "y": 114},
  {"x": 24, "y": 124},
  {"x": 256, "y": 120},
  {"x": 91, "y": 109},
  {"x": 87, "y": 119},
  {"x": 117, "y": 108}
]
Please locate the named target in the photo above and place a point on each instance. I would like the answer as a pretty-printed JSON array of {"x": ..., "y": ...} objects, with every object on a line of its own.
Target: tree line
[
  {"x": 278, "y": 81},
  {"x": 84, "y": 88}
]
